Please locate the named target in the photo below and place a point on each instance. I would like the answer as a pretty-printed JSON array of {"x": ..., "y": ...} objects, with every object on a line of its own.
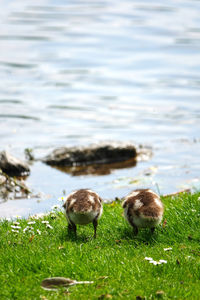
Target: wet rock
[
  {"x": 93, "y": 154},
  {"x": 13, "y": 166},
  {"x": 12, "y": 188},
  {"x": 2, "y": 179}
]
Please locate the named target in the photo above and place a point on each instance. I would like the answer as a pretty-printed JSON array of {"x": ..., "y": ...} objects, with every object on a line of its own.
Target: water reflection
[{"x": 97, "y": 169}]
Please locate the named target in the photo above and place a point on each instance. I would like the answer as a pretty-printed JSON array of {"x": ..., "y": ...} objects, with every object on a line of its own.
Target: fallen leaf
[
  {"x": 160, "y": 293},
  {"x": 164, "y": 223},
  {"x": 99, "y": 286},
  {"x": 105, "y": 296},
  {"x": 61, "y": 247},
  {"x": 31, "y": 238},
  {"x": 103, "y": 277},
  {"x": 183, "y": 247},
  {"x": 56, "y": 282},
  {"x": 118, "y": 241}
]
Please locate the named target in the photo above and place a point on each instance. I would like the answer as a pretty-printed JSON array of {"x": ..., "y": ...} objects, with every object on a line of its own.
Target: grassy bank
[{"x": 114, "y": 261}]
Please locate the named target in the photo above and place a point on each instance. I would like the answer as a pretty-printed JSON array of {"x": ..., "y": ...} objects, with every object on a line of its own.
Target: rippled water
[{"x": 76, "y": 72}]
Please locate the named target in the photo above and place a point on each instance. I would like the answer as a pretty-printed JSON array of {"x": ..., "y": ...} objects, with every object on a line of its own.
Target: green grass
[{"x": 114, "y": 261}]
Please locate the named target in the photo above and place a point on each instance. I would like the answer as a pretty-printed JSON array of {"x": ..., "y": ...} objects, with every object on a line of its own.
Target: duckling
[
  {"x": 83, "y": 207},
  {"x": 143, "y": 208}
]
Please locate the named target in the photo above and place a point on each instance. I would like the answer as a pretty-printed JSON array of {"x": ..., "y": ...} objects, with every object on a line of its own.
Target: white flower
[
  {"x": 25, "y": 229},
  {"x": 162, "y": 261},
  {"x": 38, "y": 216},
  {"x": 17, "y": 217},
  {"x": 16, "y": 223},
  {"x": 38, "y": 231},
  {"x": 15, "y": 227},
  {"x": 167, "y": 249},
  {"x": 28, "y": 228},
  {"x": 52, "y": 215},
  {"x": 45, "y": 222},
  {"x": 61, "y": 199},
  {"x": 16, "y": 231},
  {"x": 49, "y": 226},
  {"x": 31, "y": 222},
  {"x": 154, "y": 262}
]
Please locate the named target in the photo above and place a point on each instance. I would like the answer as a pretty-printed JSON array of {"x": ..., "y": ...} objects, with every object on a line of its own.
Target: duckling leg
[
  {"x": 95, "y": 223},
  {"x": 72, "y": 227},
  {"x": 152, "y": 229},
  {"x": 135, "y": 230}
]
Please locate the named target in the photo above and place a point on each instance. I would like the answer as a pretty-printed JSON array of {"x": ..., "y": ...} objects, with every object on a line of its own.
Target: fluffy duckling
[
  {"x": 143, "y": 208},
  {"x": 83, "y": 207}
]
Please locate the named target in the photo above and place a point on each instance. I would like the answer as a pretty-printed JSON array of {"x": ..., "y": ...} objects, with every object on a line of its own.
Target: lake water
[{"x": 80, "y": 72}]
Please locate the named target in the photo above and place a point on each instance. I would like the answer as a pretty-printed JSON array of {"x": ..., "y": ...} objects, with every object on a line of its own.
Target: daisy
[
  {"x": 16, "y": 223},
  {"x": 167, "y": 249},
  {"x": 49, "y": 226},
  {"x": 61, "y": 199},
  {"x": 15, "y": 227},
  {"x": 163, "y": 261},
  {"x": 31, "y": 222}
]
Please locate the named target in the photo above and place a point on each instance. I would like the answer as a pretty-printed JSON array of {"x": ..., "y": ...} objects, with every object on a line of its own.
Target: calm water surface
[{"x": 76, "y": 72}]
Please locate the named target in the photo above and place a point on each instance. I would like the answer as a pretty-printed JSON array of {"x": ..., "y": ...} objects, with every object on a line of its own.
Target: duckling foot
[
  {"x": 135, "y": 230},
  {"x": 72, "y": 227},
  {"x": 95, "y": 223}
]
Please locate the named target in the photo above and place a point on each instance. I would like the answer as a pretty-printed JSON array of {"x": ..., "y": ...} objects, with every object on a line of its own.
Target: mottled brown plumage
[
  {"x": 82, "y": 207},
  {"x": 143, "y": 208}
]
